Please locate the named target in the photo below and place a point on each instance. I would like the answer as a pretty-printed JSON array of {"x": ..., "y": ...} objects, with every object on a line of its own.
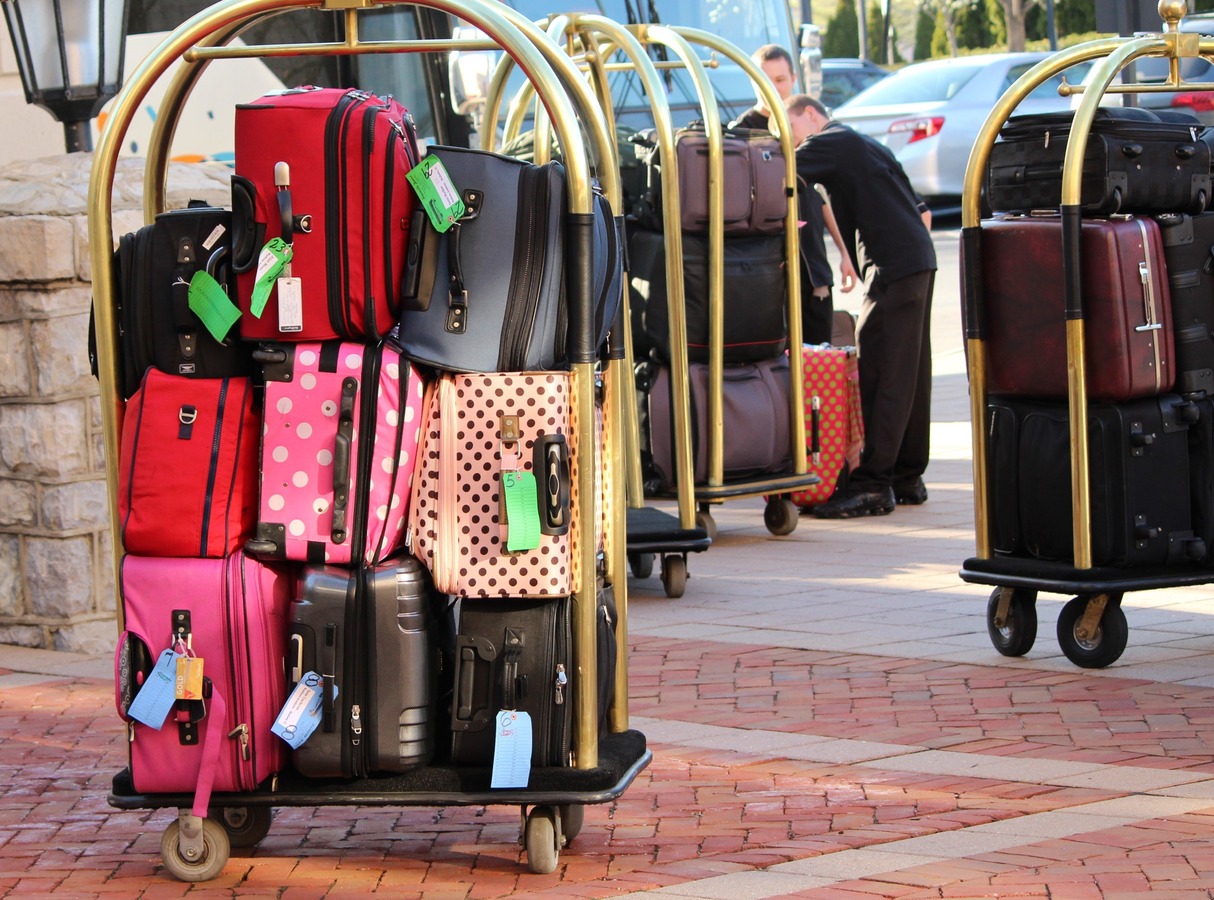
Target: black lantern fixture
[{"x": 70, "y": 55}]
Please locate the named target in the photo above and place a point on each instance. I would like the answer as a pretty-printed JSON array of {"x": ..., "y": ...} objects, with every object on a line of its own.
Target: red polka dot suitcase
[
  {"x": 834, "y": 429},
  {"x": 338, "y": 448},
  {"x": 480, "y": 431}
]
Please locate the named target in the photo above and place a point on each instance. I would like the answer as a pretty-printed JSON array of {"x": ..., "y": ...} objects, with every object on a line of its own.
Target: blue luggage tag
[
  {"x": 511, "y": 750},
  {"x": 301, "y": 713},
  {"x": 156, "y": 697}
]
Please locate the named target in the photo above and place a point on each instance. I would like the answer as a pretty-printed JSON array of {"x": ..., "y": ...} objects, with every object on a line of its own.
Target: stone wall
[{"x": 56, "y": 576}]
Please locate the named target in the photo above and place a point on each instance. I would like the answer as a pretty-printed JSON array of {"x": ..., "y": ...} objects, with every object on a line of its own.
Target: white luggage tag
[
  {"x": 511, "y": 749},
  {"x": 300, "y": 715},
  {"x": 290, "y": 290},
  {"x": 157, "y": 695}
]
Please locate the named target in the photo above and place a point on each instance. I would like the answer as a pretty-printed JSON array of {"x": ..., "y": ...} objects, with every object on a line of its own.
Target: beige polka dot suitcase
[
  {"x": 338, "y": 449},
  {"x": 480, "y": 430}
]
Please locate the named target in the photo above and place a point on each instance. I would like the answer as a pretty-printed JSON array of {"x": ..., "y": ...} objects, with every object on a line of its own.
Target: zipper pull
[
  {"x": 561, "y": 681},
  {"x": 243, "y": 731},
  {"x": 356, "y": 725}
]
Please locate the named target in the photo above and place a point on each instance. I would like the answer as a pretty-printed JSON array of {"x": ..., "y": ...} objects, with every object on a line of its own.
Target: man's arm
[{"x": 847, "y": 272}]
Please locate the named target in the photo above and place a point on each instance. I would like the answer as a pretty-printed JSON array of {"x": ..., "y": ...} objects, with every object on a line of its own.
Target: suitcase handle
[
  {"x": 341, "y": 460},
  {"x": 815, "y": 428},
  {"x": 471, "y": 653},
  {"x": 1148, "y": 300},
  {"x": 550, "y": 464}
]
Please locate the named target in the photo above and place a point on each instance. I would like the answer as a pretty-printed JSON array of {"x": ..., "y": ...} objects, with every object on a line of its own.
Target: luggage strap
[{"x": 212, "y": 746}]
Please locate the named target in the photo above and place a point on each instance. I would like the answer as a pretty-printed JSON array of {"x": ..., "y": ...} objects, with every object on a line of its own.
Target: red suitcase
[
  {"x": 231, "y": 613},
  {"x": 1126, "y": 305},
  {"x": 347, "y": 155},
  {"x": 834, "y": 427},
  {"x": 187, "y": 471}
]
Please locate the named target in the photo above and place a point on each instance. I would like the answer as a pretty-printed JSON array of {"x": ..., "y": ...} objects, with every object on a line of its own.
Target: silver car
[{"x": 929, "y": 113}]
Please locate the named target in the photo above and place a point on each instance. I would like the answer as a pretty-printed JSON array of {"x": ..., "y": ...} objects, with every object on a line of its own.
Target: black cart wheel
[
  {"x": 705, "y": 520},
  {"x": 572, "y": 818},
  {"x": 1015, "y": 635},
  {"x": 214, "y": 856},
  {"x": 245, "y": 825},
  {"x": 780, "y": 516},
  {"x": 641, "y": 564},
  {"x": 540, "y": 840},
  {"x": 1105, "y": 646},
  {"x": 674, "y": 575}
]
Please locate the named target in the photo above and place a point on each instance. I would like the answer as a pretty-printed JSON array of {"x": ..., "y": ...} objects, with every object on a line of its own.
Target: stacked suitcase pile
[
  {"x": 755, "y": 381},
  {"x": 345, "y": 491},
  {"x": 1148, "y": 307}
]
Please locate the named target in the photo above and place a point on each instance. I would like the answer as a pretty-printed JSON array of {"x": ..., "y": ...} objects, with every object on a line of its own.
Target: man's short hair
[
  {"x": 798, "y": 103},
  {"x": 768, "y": 52}
]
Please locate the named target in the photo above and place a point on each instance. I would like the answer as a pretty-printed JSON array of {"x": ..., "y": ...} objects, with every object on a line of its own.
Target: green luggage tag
[
  {"x": 522, "y": 511},
  {"x": 273, "y": 259},
  {"x": 438, "y": 194},
  {"x": 209, "y": 301}
]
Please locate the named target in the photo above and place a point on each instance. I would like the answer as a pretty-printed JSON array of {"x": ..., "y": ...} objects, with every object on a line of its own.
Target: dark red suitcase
[
  {"x": 1126, "y": 304},
  {"x": 347, "y": 153}
]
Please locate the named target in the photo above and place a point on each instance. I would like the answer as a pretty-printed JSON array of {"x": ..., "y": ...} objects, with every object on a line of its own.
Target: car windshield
[{"x": 917, "y": 84}]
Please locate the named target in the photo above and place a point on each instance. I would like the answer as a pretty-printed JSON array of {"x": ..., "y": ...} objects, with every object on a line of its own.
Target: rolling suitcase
[
  {"x": 365, "y": 632},
  {"x": 1126, "y": 303},
  {"x": 230, "y": 614},
  {"x": 340, "y": 201},
  {"x": 755, "y": 412},
  {"x": 187, "y": 470},
  {"x": 1133, "y": 162},
  {"x": 1138, "y": 469},
  {"x": 342, "y": 423},
  {"x": 1188, "y": 247}
]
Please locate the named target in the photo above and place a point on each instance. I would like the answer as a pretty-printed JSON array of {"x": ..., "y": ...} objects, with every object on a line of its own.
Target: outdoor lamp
[{"x": 69, "y": 53}]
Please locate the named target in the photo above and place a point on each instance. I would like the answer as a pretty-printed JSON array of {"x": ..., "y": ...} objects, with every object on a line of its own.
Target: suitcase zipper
[
  {"x": 526, "y": 278},
  {"x": 335, "y": 229},
  {"x": 1149, "y": 309},
  {"x": 213, "y": 465},
  {"x": 445, "y": 549},
  {"x": 560, "y": 711},
  {"x": 370, "y": 114},
  {"x": 367, "y": 421},
  {"x": 241, "y": 676}
]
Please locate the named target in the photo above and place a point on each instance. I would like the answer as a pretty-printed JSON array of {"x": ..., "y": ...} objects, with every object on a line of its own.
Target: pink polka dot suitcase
[
  {"x": 479, "y": 429},
  {"x": 338, "y": 448}
]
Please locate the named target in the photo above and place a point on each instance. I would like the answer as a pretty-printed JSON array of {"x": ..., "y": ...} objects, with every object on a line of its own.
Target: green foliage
[
  {"x": 876, "y": 31},
  {"x": 940, "y": 45},
  {"x": 925, "y": 27},
  {"x": 973, "y": 26},
  {"x": 998, "y": 22},
  {"x": 842, "y": 33},
  {"x": 1074, "y": 17}
]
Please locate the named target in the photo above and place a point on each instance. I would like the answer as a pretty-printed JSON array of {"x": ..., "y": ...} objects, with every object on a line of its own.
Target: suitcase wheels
[
  {"x": 674, "y": 575},
  {"x": 641, "y": 564},
  {"x": 245, "y": 825},
  {"x": 572, "y": 817},
  {"x": 1011, "y": 620},
  {"x": 780, "y": 516},
  {"x": 541, "y": 838},
  {"x": 705, "y": 520},
  {"x": 194, "y": 849},
  {"x": 1092, "y": 630}
]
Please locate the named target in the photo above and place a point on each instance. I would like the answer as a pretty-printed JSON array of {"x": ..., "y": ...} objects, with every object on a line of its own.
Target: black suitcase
[
  {"x": 153, "y": 268},
  {"x": 754, "y": 293},
  {"x": 1133, "y": 162},
  {"x": 1138, "y": 471},
  {"x": 1188, "y": 246},
  {"x": 366, "y": 633},
  {"x": 512, "y": 654}
]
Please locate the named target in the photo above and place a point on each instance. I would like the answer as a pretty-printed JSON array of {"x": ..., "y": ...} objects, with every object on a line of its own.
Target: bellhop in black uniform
[{"x": 879, "y": 216}]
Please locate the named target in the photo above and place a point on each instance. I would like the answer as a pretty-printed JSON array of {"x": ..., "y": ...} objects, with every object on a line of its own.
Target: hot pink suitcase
[
  {"x": 477, "y": 427},
  {"x": 233, "y": 614},
  {"x": 337, "y": 459}
]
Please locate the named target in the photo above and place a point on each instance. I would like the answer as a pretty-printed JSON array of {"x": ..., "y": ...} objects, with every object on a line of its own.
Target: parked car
[
  {"x": 929, "y": 114},
  {"x": 844, "y": 77}
]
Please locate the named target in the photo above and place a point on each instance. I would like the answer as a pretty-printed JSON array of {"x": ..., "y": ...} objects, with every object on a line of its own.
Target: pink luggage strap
[{"x": 212, "y": 746}]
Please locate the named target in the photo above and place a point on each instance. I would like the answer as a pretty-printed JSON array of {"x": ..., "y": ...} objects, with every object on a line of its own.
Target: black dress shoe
[
  {"x": 912, "y": 494},
  {"x": 879, "y": 502}
]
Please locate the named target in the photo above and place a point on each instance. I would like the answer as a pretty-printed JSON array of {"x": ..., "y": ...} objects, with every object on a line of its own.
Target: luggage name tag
[
  {"x": 210, "y": 302},
  {"x": 290, "y": 303},
  {"x": 511, "y": 749},
  {"x": 300, "y": 715},
  {"x": 518, "y": 513},
  {"x": 438, "y": 194},
  {"x": 274, "y": 257},
  {"x": 188, "y": 684},
  {"x": 156, "y": 697}
]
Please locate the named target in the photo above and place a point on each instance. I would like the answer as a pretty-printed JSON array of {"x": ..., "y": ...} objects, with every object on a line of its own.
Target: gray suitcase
[{"x": 366, "y": 632}]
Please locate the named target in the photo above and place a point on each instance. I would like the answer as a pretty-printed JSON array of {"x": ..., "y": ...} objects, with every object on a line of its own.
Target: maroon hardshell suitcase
[{"x": 1126, "y": 305}]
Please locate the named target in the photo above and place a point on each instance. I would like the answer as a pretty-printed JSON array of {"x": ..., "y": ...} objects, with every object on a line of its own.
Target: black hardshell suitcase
[
  {"x": 1138, "y": 470},
  {"x": 1188, "y": 246},
  {"x": 366, "y": 633},
  {"x": 153, "y": 268},
  {"x": 1133, "y": 162},
  {"x": 512, "y": 654}
]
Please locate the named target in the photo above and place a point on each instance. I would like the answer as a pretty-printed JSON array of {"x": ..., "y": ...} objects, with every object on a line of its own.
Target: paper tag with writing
[
  {"x": 273, "y": 259},
  {"x": 301, "y": 713},
  {"x": 522, "y": 511},
  {"x": 157, "y": 695},
  {"x": 290, "y": 304},
  {"x": 511, "y": 750},
  {"x": 188, "y": 685},
  {"x": 216, "y": 233},
  {"x": 210, "y": 302},
  {"x": 439, "y": 196}
]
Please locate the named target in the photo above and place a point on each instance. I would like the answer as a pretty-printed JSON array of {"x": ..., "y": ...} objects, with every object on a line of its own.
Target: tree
[
  {"x": 925, "y": 26},
  {"x": 944, "y": 39},
  {"x": 842, "y": 37},
  {"x": 1014, "y": 12},
  {"x": 876, "y": 31},
  {"x": 1075, "y": 16}
]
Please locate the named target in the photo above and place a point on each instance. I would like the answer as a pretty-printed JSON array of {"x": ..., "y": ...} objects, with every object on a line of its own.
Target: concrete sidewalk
[{"x": 828, "y": 720}]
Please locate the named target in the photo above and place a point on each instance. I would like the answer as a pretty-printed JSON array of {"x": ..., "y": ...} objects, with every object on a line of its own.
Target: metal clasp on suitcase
[{"x": 1148, "y": 300}]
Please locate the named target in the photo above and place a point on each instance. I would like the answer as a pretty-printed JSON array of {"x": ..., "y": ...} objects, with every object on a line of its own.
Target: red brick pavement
[{"x": 693, "y": 814}]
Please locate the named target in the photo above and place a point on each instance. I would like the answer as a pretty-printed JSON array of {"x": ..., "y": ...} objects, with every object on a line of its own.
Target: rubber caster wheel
[
  {"x": 780, "y": 516},
  {"x": 539, "y": 839},
  {"x": 215, "y": 852},
  {"x": 1097, "y": 650},
  {"x": 674, "y": 575},
  {"x": 641, "y": 564},
  {"x": 573, "y": 817},
  {"x": 705, "y": 521},
  {"x": 245, "y": 825},
  {"x": 1016, "y": 635}
]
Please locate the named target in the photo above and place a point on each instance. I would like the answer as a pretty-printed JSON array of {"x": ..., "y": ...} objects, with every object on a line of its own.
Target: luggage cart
[
  {"x": 552, "y": 806},
  {"x": 1092, "y": 627}
]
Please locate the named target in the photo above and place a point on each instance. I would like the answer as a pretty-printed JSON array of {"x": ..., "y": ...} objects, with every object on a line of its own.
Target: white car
[{"x": 929, "y": 113}]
